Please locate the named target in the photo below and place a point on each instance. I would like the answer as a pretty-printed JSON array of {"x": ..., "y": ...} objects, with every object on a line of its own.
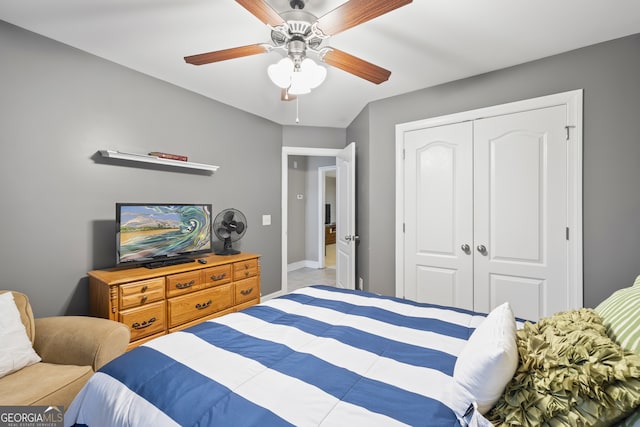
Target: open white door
[
  {"x": 346, "y": 218},
  {"x": 345, "y": 212}
]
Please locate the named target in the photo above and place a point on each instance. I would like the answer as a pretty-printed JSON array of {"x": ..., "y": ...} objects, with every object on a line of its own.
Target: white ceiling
[{"x": 424, "y": 43}]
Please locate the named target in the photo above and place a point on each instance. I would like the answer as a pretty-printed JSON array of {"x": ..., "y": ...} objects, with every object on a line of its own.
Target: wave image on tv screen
[{"x": 163, "y": 230}]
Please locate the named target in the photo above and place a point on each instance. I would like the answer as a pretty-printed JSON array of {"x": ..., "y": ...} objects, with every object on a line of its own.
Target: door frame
[
  {"x": 286, "y": 152},
  {"x": 573, "y": 101}
]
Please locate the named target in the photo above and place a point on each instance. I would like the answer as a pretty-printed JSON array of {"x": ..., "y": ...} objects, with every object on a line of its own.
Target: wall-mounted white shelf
[{"x": 143, "y": 158}]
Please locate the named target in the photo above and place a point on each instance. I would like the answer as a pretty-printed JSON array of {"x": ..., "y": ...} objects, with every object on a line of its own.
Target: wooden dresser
[
  {"x": 329, "y": 234},
  {"x": 153, "y": 302}
]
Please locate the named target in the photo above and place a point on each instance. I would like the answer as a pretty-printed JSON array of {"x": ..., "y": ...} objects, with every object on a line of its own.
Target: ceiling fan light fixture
[
  {"x": 299, "y": 84},
  {"x": 298, "y": 80},
  {"x": 280, "y": 72},
  {"x": 313, "y": 73}
]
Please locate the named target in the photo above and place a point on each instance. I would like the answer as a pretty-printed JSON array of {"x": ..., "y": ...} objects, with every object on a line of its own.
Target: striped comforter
[{"x": 319, "y": 356}]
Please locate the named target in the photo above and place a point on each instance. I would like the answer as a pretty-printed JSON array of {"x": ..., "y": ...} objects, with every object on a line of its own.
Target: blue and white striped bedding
[{"x": 319, "y": 356}]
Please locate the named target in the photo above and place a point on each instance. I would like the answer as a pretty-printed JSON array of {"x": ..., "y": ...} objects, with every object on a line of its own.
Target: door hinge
[
  {"x": 567, "y": 128},
  {"x": 567, "y": 233},
  {"x": 404, "y": 154},
  {"x": 403, "y": 225}
]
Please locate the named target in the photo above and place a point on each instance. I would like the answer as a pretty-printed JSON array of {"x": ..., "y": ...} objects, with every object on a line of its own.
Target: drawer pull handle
[
  {"x": 218, "y": 277},
  {"x": 144, "y": 288},
  {"x": 246, "y": 274},
  {"x": 185, "y": 285},
  {"x": 246, "y": 292},
  {"x": 143, "y": 299},
  {"x": 246, "y": 265},
  {"x": 144, "y": 324},
  {"x": 203, "y": 306}
]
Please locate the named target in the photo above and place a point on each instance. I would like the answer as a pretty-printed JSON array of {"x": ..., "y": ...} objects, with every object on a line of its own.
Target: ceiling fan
[{"x": 297, "y": 32}]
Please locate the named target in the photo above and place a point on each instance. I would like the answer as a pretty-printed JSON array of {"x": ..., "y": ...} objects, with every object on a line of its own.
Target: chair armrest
[{"x": 79, "y": 340}]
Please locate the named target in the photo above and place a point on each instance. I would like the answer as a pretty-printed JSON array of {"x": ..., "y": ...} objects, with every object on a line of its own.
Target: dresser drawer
[
  {"x": 247, "y": 289},
  {"x": 244, "y": 269},
  {"x": 142, "y": 292},
  {"x": 145, "y": 321},
  {"x": 183, "y": 283},
  {"x": 185, "y": 308},
  {"x": 216, "y": 275}
]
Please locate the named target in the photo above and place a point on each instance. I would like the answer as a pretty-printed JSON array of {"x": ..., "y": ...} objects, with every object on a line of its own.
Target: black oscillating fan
[{"x": 229, "y": 226}]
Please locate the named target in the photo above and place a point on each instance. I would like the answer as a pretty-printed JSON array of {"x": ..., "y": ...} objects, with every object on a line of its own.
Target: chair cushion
[
  {"x": 17, "y": 350},
  {"x": 43, "y": 384}
]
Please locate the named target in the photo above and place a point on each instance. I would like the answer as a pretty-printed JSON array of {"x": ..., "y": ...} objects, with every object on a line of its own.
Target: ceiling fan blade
[
  {"x": 286, "y": 96},
  {"x": 356, "y": 12},
  {"x": 261, "y": 10},
  {"x": 223, "y": 55},
  {"x": 356, "y": 66}
]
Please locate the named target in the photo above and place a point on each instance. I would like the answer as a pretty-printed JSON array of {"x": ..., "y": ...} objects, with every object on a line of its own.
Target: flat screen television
[{"x": 155, "y": 235}]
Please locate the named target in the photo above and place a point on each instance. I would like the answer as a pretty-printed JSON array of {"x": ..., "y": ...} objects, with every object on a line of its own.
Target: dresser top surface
[{"x": 119, "y": 275}]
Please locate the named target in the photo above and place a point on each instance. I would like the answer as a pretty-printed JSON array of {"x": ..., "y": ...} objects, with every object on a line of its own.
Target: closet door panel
[
  {"x": 525, "y": 295},
  {"x": 516, "y": 196},
  {"x": 436, "y": 285},
  {"x": 438, "y": 213},
  {"x": 520, "y": 212}
]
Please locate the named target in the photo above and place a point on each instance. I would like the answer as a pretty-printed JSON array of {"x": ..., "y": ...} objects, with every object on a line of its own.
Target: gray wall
[
  {"x": 296, "y": 209},
  {"x": 313, "y": 137},
  {"x": 58, "y": 107},
  {"x": 608, "y": 73}
]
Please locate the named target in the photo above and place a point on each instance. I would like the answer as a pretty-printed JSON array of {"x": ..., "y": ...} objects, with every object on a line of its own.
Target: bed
[{"x": 320, "y": 356}]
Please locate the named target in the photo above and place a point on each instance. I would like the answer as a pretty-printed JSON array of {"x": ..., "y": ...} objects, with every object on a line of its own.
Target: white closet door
[
  {"x": 438, "y": 215},
  {"x": 520, "y": 212}
]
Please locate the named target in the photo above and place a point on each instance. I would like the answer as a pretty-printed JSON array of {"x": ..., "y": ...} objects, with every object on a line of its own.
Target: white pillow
[
  {"x": 16, "y": 351},
  {"x": 487, "y": 362}
]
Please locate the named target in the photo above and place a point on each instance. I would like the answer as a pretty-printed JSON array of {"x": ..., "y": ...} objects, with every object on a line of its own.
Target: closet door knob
[
  {"x": 482, "y": 249},
  {"x": 465, "y": 248}
]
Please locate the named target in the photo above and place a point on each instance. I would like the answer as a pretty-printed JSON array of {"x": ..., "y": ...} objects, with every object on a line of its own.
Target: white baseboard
[
  {"x": 302, "y": 264},
  {"x": 272, "y": 295}
]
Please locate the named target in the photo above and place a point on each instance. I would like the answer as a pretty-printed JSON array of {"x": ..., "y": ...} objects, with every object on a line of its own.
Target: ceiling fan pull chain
[{"x": 297, "y": 116}]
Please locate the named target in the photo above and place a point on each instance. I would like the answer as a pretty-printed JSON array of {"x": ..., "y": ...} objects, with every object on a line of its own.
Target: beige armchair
[{"x": 72, "y": 348}]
